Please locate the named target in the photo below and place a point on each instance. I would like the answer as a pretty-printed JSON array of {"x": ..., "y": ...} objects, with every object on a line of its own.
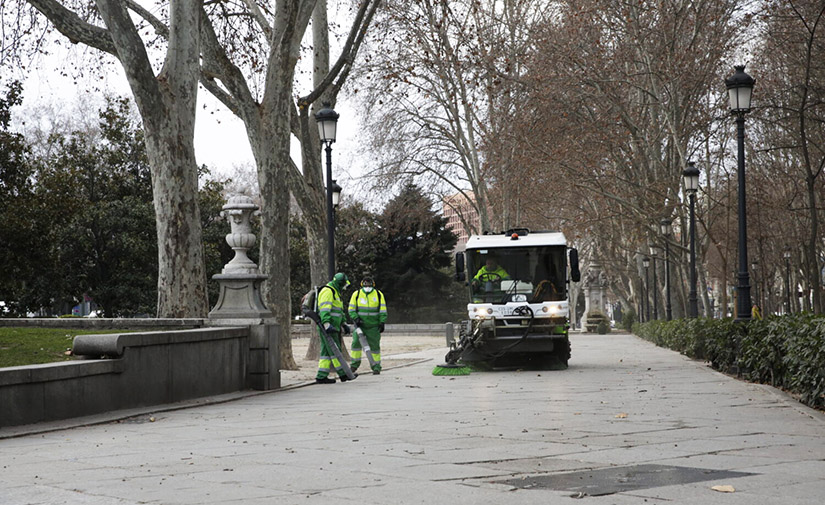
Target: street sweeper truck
[{"x": 518, "y": 310}]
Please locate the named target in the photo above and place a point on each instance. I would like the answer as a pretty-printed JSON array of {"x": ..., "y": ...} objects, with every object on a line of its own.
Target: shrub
[
  {"x": 784, "y": 351},
  {"x": 628, "y": 319}
]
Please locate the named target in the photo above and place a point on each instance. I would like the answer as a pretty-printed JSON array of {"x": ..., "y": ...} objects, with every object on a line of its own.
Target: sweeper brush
[{"x": 449, "y": 369}]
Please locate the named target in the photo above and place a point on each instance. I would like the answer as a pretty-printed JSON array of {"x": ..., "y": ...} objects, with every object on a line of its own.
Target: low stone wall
[
  {"x": 141, "y": 369},
  {"x": 92, "y": 323},
  {"x": 298, "y": 329},
  {"x": 128, "y": 370}
]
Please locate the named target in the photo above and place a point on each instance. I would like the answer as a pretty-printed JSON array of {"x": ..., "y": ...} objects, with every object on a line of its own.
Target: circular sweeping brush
[{"x": 451, "y": 369}]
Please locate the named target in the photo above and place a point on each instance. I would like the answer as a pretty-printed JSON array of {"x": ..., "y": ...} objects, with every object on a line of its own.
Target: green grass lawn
[{"x": 29, "y": 346}]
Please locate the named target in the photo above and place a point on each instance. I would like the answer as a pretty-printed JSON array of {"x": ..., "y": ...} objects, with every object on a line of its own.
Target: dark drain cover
[{"x": 617, "y": 479}]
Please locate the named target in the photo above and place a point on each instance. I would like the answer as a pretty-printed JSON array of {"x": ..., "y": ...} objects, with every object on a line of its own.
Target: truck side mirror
[
  {"x": 575, "y": 274},
  {"x": 459, "y": 267}
]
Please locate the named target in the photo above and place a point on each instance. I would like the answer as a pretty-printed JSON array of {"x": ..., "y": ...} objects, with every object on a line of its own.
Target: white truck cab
[{"x": 518, "y": 310}]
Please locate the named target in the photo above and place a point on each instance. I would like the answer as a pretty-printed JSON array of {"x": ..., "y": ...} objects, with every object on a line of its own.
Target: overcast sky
[{"x": 220, "y": 137}]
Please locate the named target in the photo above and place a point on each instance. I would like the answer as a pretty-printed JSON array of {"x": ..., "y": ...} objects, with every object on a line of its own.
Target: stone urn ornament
[
  {"x": 240, "y": 280},
  {"x": 239, "y": 211}
]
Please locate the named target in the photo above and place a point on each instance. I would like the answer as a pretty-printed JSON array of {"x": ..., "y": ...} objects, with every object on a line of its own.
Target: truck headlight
[{"x": 553, "y": 310}]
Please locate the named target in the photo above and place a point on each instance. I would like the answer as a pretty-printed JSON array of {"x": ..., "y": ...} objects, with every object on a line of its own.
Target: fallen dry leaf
[
  {"x": 724, "y": 489},
  {"x": 620, "y": 415}
]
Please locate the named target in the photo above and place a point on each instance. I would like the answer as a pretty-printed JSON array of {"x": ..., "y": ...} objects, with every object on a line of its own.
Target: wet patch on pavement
[{"x": 612, "y": 480}]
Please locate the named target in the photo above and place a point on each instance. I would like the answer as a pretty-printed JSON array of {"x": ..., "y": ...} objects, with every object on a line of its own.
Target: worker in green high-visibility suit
[
  {"x": 491, "y": 270},
  {"x": 368, "y": 310},
  {"x": 488, "y": 280},
  {"x": 330, "y": 310}
]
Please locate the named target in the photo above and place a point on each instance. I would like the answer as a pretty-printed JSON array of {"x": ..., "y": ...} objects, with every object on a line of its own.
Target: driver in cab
[{"x": 490, "y": 271}]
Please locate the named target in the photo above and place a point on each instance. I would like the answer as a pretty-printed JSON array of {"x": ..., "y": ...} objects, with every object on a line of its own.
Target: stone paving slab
[{"x": 407, "y": 436}]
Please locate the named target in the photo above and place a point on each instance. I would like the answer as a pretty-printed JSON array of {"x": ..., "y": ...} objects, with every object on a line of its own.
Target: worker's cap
[
  {"x": 367, "y": 282},
  {"x": 341, "y": 279}
]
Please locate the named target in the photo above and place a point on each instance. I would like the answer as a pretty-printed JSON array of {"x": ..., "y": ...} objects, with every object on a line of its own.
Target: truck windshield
[{"x": 518, "y": 274}]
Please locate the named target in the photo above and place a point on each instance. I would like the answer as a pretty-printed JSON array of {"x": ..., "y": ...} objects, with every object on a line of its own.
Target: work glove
[
  {"x": 329, "y": 328},
  {"x": 345, "y": 328},
  {"x": 358, "y": 322},
  {"x": 381, "y": 327}
]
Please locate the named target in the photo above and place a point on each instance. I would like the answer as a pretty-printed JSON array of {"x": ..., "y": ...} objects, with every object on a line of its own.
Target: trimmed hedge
[{"x": 785, "y": 351}]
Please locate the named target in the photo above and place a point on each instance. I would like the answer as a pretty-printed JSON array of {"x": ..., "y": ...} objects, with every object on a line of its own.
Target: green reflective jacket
[
  {"x": 330, "y": 306},
  {"x": 370, "y": 307},
  {"x": 498, "y": 271}
]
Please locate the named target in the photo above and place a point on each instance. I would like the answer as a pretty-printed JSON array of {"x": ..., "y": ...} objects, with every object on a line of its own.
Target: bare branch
[
  {"x": 75, "y": 29},
  {"x": 363, "y": 18},
  {"x": 259, "y": 17},
  {"x": 159, "y": 26}
]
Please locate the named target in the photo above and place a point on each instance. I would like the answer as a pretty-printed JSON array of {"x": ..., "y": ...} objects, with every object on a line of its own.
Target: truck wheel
[
  {"x": 565, "y": 348},
  {"x": 561, "y": 354}
]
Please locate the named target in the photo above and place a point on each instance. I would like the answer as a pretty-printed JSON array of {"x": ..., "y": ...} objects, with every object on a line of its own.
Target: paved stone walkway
[{"x": 627, "y": 423}]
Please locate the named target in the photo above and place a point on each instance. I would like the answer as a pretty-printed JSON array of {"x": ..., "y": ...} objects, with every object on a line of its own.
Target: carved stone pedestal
[
  {"x": 240, "y": 297},
  {"x": 240, "y": 302}
]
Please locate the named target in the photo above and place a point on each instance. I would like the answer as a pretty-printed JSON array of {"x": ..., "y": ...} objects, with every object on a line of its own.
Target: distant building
[{"x": 454, "y": 208}]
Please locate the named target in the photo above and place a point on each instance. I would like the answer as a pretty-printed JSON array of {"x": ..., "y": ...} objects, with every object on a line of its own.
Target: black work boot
[
  {"x": 376, "y": 372},
  {"x": 344, "y": 378},
  {"x": 325, "y": 380}
]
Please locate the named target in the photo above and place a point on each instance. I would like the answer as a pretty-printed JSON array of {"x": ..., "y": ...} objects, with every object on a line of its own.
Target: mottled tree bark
[{"x": 167, "y": 107}]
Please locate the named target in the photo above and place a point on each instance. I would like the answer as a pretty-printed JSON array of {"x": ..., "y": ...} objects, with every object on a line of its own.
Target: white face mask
[{"x": 368, "y": 289}]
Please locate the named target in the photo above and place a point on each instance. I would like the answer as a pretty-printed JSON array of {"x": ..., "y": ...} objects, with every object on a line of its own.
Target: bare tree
[
  {"x": 794, "y": 115},
  {"x": 254, "y": 78},
  {"x": 166, "y": 100},
  {"x": 439, "y": 85},
  {"x": 245, "y": 53},
  {"x": 622, "y": 94},
  {"x": 309, "y": 190}
]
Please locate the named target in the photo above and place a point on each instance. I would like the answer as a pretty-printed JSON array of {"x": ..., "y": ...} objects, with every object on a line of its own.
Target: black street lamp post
[
  {"x": 645, "y": 300},
  {"x": 691, "y": 176},
  {"x": 327, "y": 120},
  {"x": 787, "y": 256},
  {"x": 654, "y": 251},
  {"x": 740, "y": 88},
  {"x": 666, "y": 227}
]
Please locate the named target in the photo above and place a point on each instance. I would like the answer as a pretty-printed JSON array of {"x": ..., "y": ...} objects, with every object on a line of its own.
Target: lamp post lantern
[
  {"x": 327, "y": 120},
  {"x": 740, "y": 89},
  {"x": 666, "y": 227},
  {"x": 691, "y": 176},
  {"x": 654, "y": 251},
  {"x": 336, "y": 194},
  {"x": 645, "y": 300},
  {"x": 787, "y": 256}
]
